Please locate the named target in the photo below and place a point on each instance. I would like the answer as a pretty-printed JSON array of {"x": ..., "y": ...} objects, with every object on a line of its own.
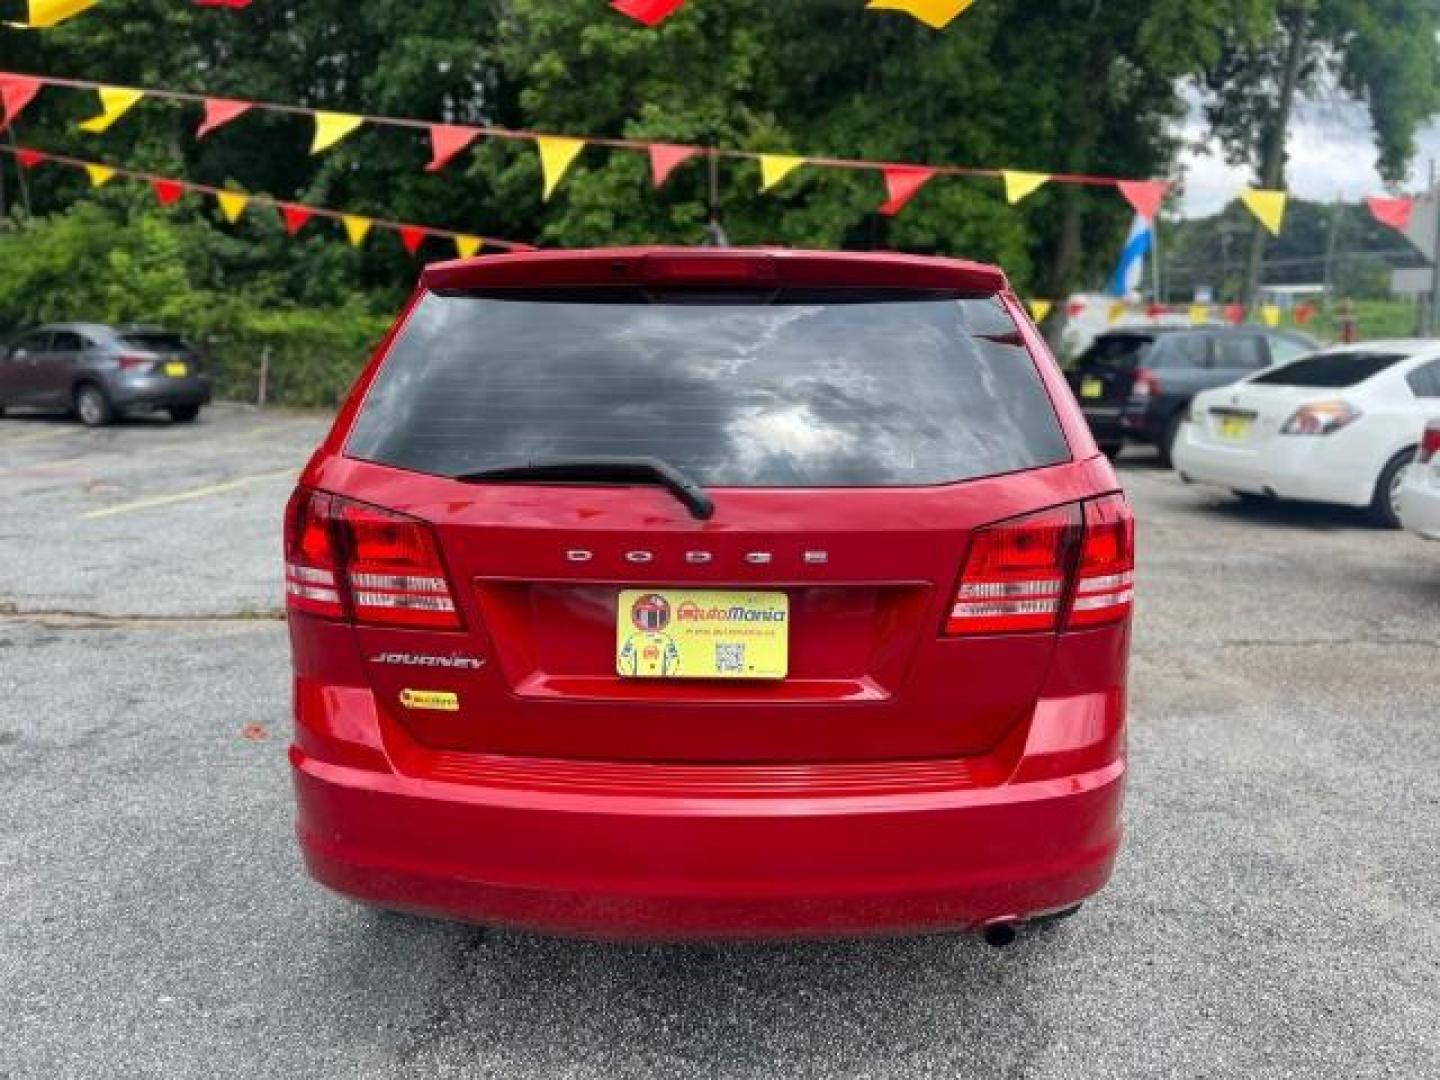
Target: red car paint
[{"x": 913, "y": 771}]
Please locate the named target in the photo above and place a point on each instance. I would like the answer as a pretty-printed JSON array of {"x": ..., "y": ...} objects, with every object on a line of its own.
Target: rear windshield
[
  {"x": 154, "y": 341},
  {"x": 1117, "y": 352},
  {"x": 761, "y": 389},
  {"x": 1330, "y": 370}
]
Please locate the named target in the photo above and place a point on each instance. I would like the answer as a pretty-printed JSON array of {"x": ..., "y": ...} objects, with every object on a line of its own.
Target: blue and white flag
[{"x": 1131, "y": 270}]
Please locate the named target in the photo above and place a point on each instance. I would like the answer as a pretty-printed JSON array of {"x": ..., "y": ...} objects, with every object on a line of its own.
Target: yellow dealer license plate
[
  {"x": 177, "y": 368},
  {"x": 702, "y": 634},
  {"x": 1235, "y": 428},
  {"x": 1092, "y": 388}
]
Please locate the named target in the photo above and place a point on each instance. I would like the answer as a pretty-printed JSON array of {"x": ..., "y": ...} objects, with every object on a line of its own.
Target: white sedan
[
  {"x": 1420, "y": 491},
  {"x": 1341, "y": 426}
]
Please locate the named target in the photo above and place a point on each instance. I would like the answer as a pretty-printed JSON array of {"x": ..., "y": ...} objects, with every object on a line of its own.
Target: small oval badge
[{"x": 434, "y": 700}]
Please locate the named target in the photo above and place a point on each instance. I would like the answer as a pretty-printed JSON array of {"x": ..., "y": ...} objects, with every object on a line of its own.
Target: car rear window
[
  {"x": 1117, "y": 352},
  {"x": 152, "y": 341},
  {"x": 782, "y": 389},
  {"x": 1330, "y": 370}
]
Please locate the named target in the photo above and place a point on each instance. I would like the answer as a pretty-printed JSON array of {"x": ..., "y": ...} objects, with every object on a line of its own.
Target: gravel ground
[{"x": 1274, "y": 913}]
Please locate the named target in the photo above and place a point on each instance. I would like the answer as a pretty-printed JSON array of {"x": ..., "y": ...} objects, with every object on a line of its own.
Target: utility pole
[
  {"x": 1272, "y": 172},
  {"x": 1435, "y": 261}
]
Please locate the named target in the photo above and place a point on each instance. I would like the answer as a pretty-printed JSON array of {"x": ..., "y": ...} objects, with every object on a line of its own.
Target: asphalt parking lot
[{"x": 1276, "y": 912}]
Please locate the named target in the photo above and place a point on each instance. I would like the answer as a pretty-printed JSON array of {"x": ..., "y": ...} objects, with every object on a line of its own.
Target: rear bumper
[
  {"x": 1420, "y": 501},
  {"x": 668, "y": 867},
  {"x": 159, "y": 391},
  {"x": 1307, "y": 469}
]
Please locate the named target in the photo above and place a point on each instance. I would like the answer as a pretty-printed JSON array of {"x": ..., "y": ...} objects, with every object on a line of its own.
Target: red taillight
[
  {"x": 1429, "y": 444},
  {"x": 1105, "y": 580},
  {"x": 1015, "y": 575},
  {"x": 1146, "y": 384},
  {"x": 384, "y": 567},
  {"x": 130, "y": 363},
  {"x": 1018, "y": 575}
]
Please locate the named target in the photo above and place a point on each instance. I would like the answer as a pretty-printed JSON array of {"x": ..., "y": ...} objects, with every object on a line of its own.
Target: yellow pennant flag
[
  {"x": 1268, "y": 206},
  {"x": 331, "y": 127},
  {"x": 48, "y": 13},
  {"x": 100, "y": 175},
  {"x": 775, "y": 167},
  {"x": 1116, "y": 313},
  {"x": 557, "y": 154},
  {"x": 1270, "y": 314},
  {"x": 115, "y": 102},
  {"x": 1199, "y": 314},
  {"x": 1040, "y": 309},
  {"x": 936, "y": 14},
  {"x": 232, "y": 204},
  {"x": 356, "y": 228},
  {"x": 468, "y": 246},
  {"x": 1020, "y": 185}
]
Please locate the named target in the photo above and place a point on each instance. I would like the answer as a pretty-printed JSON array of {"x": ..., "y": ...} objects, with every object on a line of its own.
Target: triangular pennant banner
[
  {"x": 234, "y": 5},
  {"x": 1396, "y": 213},
  {"x": 1155, "y": 311},
  {"x": 1075, "y": 308},
  {"x": 167, "y": 192},
  {"x": 295, "y": 217},
  {"x": 936, "y": 14},
  {"x": 1199, "y": 314},
  {"x": 1116, "y": 312},
  {"x": 16, "y": 91},
  {"x": 47, "y": 13},
  {"x": 100, "y": 175},
  {"x": 664, "y": 157},
  {"x": 356, "y": 228},
  {"x": 901, "y": 184},
  {"x": 1304, "y": 313},
  {"x": 412, "y": 236},
  {"x": 447, "y": 140},
  {"x": 1267, "y": 206},
  {"x": 218, "y": 112},
  {"x": 1145, "y": 195},
  {"x": 331, "y": 127},
  {"x": 1040, "y": 310},
  {"x": 1235, "y": 314},
  {"x": 649, "y": 12},
  {"x": 1021, "y": 185},
  {"x": 115, "y": 102},
  {"x": 557, "y": 154},
  {"x": 232, "y": 204},
  {"x": 468, "y": 246},
  {"x": 775, "y": 167},
  {"x": 1270, "y": 314},
  {"x": 28, "y": 159}
]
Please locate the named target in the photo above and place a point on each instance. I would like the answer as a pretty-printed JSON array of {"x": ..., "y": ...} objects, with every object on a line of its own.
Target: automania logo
[{"x": 690, "y": 611}]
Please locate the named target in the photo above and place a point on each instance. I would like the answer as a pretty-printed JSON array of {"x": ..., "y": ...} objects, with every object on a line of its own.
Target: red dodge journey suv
[{"x": 672, "y": 593}]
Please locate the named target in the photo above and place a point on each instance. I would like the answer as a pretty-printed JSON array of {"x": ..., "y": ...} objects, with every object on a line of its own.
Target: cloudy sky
[{"x": 1332, "y": 153}]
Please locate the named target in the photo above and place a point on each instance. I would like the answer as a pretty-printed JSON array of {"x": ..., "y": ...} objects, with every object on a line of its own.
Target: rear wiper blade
[{"x": 640, "y": 470}]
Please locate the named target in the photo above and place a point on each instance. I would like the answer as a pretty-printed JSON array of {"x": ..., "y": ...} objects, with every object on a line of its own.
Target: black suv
[{"x": 1135, "y": 384}]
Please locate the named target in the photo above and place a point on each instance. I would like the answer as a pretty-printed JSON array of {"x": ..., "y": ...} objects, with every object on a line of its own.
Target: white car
[
  {"x": 1420, "y": 490},
  {"x": 1340, "y": 426}
]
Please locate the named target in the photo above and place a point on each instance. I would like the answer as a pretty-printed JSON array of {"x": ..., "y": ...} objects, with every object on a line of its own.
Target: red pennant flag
[
  {"x": 1154, "y": 311},
  {"x": 167, "y": 192},
  {"x": 1075, "y": 308},
  {"x": 664, "y": 157},
  {"x": 901, "y": 183},
  {"x": 1235, "y": 314},
  {"x": 220, "y": 111},
  {"x": 1304, "y": 313},
  {"x": 649, "y": 12},
  {"x": 1393, "y": 212},
  {"x": 1145, "y": 195},
  {"x": 235, "y": 5},
  {"x": 295, "y": 217},
  {"x": 16, "y": 91},
  {"x": 447, "y": 140},
  {"x": 28, "y": 159},
  {"x": 412, "y": 236}
]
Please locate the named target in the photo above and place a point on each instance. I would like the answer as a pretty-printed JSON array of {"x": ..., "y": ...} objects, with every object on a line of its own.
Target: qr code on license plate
[{"x": 729, "y": 657}]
